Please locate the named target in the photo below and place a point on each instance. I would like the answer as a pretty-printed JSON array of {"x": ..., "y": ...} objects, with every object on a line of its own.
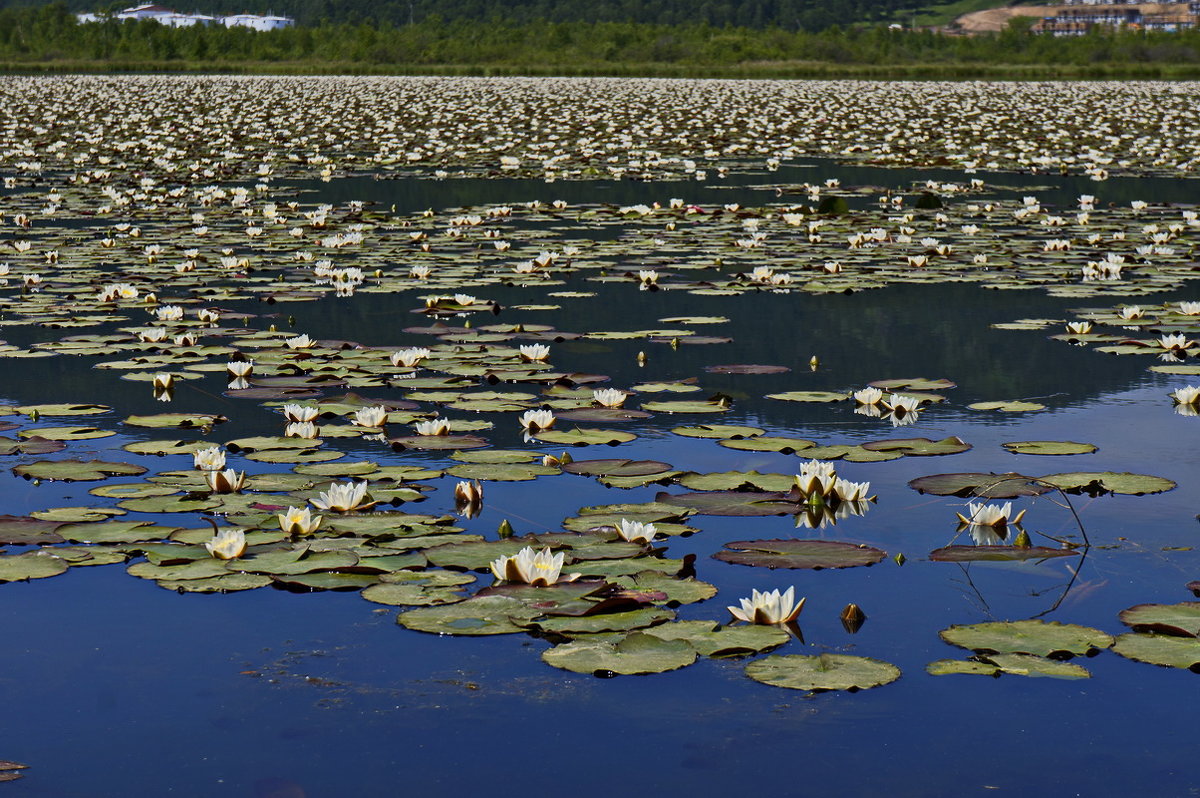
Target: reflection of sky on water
[{"x": 213, "y": 695}]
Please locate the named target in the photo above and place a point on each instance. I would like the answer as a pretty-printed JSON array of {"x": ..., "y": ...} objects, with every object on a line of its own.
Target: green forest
[
  {"x": 810, "y": 15},
  {"x": 47, "y": 38}
]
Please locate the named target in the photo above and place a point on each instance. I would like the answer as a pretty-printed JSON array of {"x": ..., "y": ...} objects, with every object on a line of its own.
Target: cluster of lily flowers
[
  {"x": 819, "y": 485},
  {"x": 900, "y": 409}
]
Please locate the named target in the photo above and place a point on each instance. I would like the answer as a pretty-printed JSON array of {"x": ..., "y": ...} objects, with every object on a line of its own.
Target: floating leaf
[
  {"x": 726, "y": 431},
  {"x": 1017, "y": 664},
  {"x": 1037, "y": 637},
  {"x": 501, "y": 472},
  {"x": 487, "y": 615},
  {"x": 31, "y": 565},
  {"x": 687, "y": 407},
  {"x": 768, "y": 443},
  {"x": 635, "y": 653},
  {"x": 1099, "y": 482},
  {"x": 21, "y": 530},
  {"x": 1049, "y": 447},
  {"x": 733, "y": 503},
  {"x": 585, "y": 437},
  {"x": 77, "y": 470},
  {"x": 1172, "y": 619},
  {"x": 1010, "y": 406},
  {"x": 725, "y": 641},
  {"x": 66, "y": 433},
  {"x": 997, "y": 553},
  {"x": 989, "y": 486},
  {"x": 616, "y": 467},
  {"x": 607, "y": 622},
  {"x": 180, "y": 420},
  {"x": 746, "y": 368},
  {"x": 822, "y": 672},
  {"x": 809, "y": 396},
  {"x": 791, "y": 553},
  {"x": 919, "y": 447},
  {"x": 906, "y": 384},
  {"x": 1165, "y": 650}
]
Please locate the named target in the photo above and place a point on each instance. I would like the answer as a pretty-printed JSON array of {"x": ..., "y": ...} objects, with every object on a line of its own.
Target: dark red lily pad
[
  {"x": 21, "y": 530},
  {"x": 616, "y": 467},
  {"x": 273, "y": 393},
  {"x": 989, "y": 486},
  {"x": 791, "y": 553},
  {"x": 601, "y": 414},
  {"x": 746, "y": 368}
]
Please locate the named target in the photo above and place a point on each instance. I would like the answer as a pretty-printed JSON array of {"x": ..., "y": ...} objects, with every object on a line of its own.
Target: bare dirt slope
[{"x": 996, "y": 19}]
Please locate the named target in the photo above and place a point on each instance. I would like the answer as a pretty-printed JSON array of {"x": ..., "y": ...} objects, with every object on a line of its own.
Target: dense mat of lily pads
[{"x": 168, "y": 263}]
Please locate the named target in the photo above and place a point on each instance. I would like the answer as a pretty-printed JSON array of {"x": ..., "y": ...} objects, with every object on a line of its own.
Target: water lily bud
[
  {"x": 1022, "y": 541},
  {"x": 272, "y": 328},
  {"x": 641, "y": 358},
  {"x": 505, "y": 530},
  {"x": 853, "y": 618},
  {"x": 900, "y": 558},
  {"x": 813, "y": 362}
]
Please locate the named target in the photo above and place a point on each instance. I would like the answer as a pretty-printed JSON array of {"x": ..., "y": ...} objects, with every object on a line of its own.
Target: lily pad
[
  {"x": 711, "y": 640},
  {"x": 989, "y": 486},
  {"x": 809, "y": 396},
  {"x": 1100, "y": 482},
  {"x": 31, "y": 565},
  {"x": 792, "y": 553},
  {"x": 732, "y": 503},
  {"x": 1016, "y": 664},
  {"x": 22, "y": 530},
  {"x": 606, "y": 622},
  {"x": 487, "y": 615},
  {"x": 919, "y": 447},
  {"x": 616, "y": 467},
  {"x": 1037, "y": 637},
  {"x": 501, "y": 472},
  {"x": 1166, "y": 650},
  {"x": 1049, "y": 447},
  {"x": 997, "y": 553},
  {"x": 77, "y": 470},
  {"x": 635, "y": 653},
  {"x": 1007, "y": 406},
  {"x": 178, "y": 420},
  {"x": 718, "y": 431},
  {"x": 768, "y": 443},
  {"x": 585, "y": 437},
  {"x": 1172, "y": 619},
  {"x": 822, "y": 672}
]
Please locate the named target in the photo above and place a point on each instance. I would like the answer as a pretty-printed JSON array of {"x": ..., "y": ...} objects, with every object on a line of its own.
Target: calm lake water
[{"x": 114, "y": 686}]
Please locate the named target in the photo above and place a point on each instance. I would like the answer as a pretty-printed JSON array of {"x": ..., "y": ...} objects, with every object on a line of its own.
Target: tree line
[{"x": 47, "y": 34}]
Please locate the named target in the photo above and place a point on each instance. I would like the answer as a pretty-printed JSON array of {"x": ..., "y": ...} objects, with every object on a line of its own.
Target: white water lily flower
[
  {"x": 299, "y": 521},
  {"x": 302, "y": 429},
  {"x": 419, "y": 272},
  {"x": 636, "y": 531},
  {"x": 343, "y": 497},
  {"x": 302, "y": 341},
  {"x": 993, "y": 515},
  {"x": 535, "y": 420},
  {"x": 1079, "y": 327},
  {"x": 164, "y": 381},
  {"x": 534, "y": 353},
  {"x": 541, "y": 569},
  {"x": 434, "y": 426},
  {"x": 210, "y": 459},
  {"x": 468, "y": 492},
  {"x": 816, "y": 479},
  {"x": 609, "y": 397},
  {"x": 769, "y": 608},
  {"x": 208, "y": 315},
  {"x": 152, "y": 334},
  {"x": 465, "y": 299},
  {"x": 1187, "y": 396},
  {"x": 227, "y": 481},
  {"x": 901, "y": 405},
  {"x": 847, "y": 491},
  {"x": 410, "y": 357},
  {"x": 1131, "y": 312},
  {"x": 647, "y": 276},
  {"x": 868, "y": 396},
  {"x": 1176, "y": 342},
  {"x": 185, "y": 339},
  {"x": 1189, "y": 308},
  {"x": 239, "y": 368},
  {"x": 300, "y": 413},
  {"x": 169, "y": 313},
  {"x": 227, "y": 545},
  {"x": 375, "y": 416}
]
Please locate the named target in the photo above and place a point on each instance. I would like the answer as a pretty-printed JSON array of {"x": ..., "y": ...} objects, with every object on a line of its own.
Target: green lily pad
[
  {"x": 718, "y": 431},
  {"x": 31, "y": 565},
  {"x": 739, "y": 481},
  {"x": 66, "y": 433},
  {"x": 997, "y": 553},
  {"x": 733, "y": 503},
  {"x": 1049, "y": 447},
  {"x": 1172, "y": 619},
  {"x": 166, "y": 447},
  {"x": 906, "y": 384},
  {"x": 223, "y": 583},
  {"x": 616, "y": 467},
  {"x": 1009, "y": 406},
  {"x": 487, "y": 615},
  {"x": 77, "y": 470},
  {"x": 684, "y": 591},
  {"x": 635, "y": 653},
  {"x": 507, "y": 456},
  {"x": 1016, "y": 664},
  {"x": 585, "y": 437},
  {"x": 22, "y": 530},
  {"x": 809, "y": 396},
  {"x": 792, "y": 553},
  {"x": 606, "y": 622},
  {"x": 1036, "y": 637},
  {"x": 179, "y": 420},
  {"x": 69, "y": 515},
  {"x": 768, "y": 443},
  {"x": 822, "y": 672},
  {"x": 116, "y": 532},
  {"x": 1099, "y": 482},
  {"x": 1166, "y": 650},
  {"x": 501, "y": 472},
  {"x": 63, "y": 409},
  {"x": 687, "y": 407},
  {"x": 726, "y": 641}
]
